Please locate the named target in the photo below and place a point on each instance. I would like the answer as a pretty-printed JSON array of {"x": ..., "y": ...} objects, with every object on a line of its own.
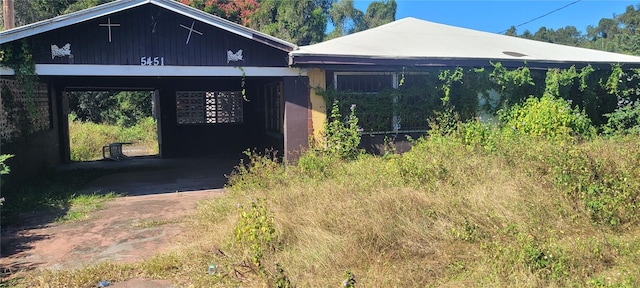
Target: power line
[{"x": 542, "y": 16}]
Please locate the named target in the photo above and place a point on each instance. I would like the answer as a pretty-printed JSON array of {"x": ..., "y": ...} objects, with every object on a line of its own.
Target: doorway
[{"x": 112, "y": 124}]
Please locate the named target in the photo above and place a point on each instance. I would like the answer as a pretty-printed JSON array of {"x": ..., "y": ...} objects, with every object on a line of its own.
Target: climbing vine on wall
[
  {"x": 424, "y": 94},
  {"x": 17, "y": 56},
  {"x": 25, "y": 105}
]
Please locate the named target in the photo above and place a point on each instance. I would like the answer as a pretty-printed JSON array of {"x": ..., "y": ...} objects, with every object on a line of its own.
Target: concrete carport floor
[{"x": 144, "y": 175}]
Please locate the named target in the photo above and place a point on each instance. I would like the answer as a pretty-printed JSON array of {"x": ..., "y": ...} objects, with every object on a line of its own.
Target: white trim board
[{"x": 160, "y": 71}]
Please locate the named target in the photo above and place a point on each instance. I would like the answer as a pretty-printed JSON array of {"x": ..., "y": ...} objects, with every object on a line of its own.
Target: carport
[{"x": 219, "y": 87}]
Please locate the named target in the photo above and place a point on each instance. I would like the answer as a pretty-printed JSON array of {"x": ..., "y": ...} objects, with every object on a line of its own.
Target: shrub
[
  {"x": 342, "y": 136},
  {"x": 549, "y": 117},
  {"x": 604, "y": 180},
  {"x": 4, "y": 170},
  {"x": 262, "y": 171},
  {"x": 315, "y": 165},
  {"x": 255, "y": 231},
  {"x": 624, "y": 120}
]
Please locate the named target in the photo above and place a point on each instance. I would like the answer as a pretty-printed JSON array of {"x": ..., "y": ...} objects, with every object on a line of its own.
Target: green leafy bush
[
  {"x": 624, "y": 120},
  {"x": 4, "y": 170},
  {"x": 255, "y": 231},
  {"x": 315, "y": 165},
  {"x": 342, "y": 136},
  {"x": 548, "y": 117},
  {"x": 605, "y": 182},
  {"x": 261, "y": 171}
]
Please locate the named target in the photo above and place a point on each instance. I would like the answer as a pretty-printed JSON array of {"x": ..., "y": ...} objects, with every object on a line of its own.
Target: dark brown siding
[
  {"x": 151, "y": 31},
  {"x": 296, "y": 116}
]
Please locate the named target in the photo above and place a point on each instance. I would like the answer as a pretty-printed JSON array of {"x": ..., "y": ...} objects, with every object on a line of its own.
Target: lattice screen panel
[
  {"x": 16, "y": 119},
  {"x": 210, "y": 107},
  {"x": 190, "y": 107},
  {"x": 212, "y": 111},
  {"x": 228, "y": 107}
]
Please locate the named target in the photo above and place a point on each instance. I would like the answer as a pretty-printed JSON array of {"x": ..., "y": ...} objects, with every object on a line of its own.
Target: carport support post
[{"x": 296, "y": 116}]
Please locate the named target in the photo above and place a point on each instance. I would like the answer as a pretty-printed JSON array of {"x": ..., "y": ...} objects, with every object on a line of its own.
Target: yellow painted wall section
[{"x": 317, "y": 79}]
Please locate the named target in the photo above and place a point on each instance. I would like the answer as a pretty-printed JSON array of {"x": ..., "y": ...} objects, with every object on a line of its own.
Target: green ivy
[
  {"x": 624, "y": 120},
  {"x": 17, "y": 56},
  {"x": 425, "y": 96},
  {"x": 448, "y": 78},
  {"x": 342, "y": 136}
]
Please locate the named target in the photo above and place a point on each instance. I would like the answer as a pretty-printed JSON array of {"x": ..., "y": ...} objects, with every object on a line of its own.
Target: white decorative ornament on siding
[
  {"x": 60, "y": 52},
  {"x": 234, "y": 56}
]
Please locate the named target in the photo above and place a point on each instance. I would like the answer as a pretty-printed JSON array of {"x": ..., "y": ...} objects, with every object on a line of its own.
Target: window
[
  {"x": 210, "y": 107},
  {"x": 273, "y": 108},
  {"x": 382, "y": 105},
  {"x": 364, "y": 82}
]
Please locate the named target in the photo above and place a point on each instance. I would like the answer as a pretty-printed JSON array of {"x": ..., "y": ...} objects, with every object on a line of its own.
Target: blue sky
[{"x": 497, "y": 16}]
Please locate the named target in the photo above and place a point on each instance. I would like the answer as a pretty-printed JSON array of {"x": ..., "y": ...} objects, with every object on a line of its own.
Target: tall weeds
[
  {"x": 473, "y": 205},
  {"x": 87, "y": 138}
]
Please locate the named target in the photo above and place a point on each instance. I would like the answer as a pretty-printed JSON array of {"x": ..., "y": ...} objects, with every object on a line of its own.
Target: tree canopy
[
  {"x": 346, "y": 19},
  {"x": 239, "y": 11},
  {"x": 620, "y": 34},
  {"x": 298, "y": 21}
]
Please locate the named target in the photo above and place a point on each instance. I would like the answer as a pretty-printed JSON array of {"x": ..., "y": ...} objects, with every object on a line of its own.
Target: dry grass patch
[{"x": 445, "y": 214}]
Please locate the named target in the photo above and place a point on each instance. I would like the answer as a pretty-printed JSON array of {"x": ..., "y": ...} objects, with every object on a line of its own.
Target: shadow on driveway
[{"x": 153, "y": 175}]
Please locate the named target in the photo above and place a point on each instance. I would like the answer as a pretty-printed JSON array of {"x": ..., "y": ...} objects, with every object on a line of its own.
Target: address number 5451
[{"x": 152, "y": 61}]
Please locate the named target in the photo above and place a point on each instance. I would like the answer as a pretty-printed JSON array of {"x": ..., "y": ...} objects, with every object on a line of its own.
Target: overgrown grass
[
  {"x": 52, "y": 191},
  {"x": 504, "y": 210},
  {"x": 56, "y": 194},
  {"x": 87, "y": 138}
]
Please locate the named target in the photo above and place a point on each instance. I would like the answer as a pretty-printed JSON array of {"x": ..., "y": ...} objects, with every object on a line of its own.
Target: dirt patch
[{"x": 127, "y": 230}]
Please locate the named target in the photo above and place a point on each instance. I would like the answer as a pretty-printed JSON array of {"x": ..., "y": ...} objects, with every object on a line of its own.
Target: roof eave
[{"x": 315, "y": 60}]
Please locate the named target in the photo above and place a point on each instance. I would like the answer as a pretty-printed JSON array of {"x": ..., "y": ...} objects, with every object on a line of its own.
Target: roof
[
  {"x": 121, "y": 5},
  {"x": 416, "y": 42}
]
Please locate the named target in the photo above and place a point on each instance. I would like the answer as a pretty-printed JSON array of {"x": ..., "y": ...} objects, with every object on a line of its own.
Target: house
[
  {"x": 412, "y": 50},
  {"x": 220, "y": 87}
]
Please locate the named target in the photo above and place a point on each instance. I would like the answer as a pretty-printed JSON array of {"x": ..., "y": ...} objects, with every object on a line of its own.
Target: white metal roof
[
  {"x": 411, "y": 38},
  {"x": 121, "y": 5}
]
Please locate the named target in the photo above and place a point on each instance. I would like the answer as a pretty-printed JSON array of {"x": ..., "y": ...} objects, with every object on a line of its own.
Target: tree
[
  {"x": 302, "y": 22},
  {"x": 618, "y": 34},
  {"x": 347, "y": 19},
  {"x": 30, "y": 11},
  {"x": 118, "y": 108},
  {"x": 238, "y": 11},
  {"x": 380, "y": 12},
  {"x": 631, "y": 20}
]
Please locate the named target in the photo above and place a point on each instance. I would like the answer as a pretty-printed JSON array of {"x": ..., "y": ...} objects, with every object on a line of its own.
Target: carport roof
[
  {"x": 121, "y": 5},
  {"x": 415, "y": 42}
]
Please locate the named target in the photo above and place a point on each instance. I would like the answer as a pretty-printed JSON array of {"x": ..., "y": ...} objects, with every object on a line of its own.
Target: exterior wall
[
  {"x": 36, "y": 151},
  {"x": 317, "y": 80},
  {"x": 153, "y": 33},
  {"x": 180, "y": 140},
  {"x": 296, "y": 116}
]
